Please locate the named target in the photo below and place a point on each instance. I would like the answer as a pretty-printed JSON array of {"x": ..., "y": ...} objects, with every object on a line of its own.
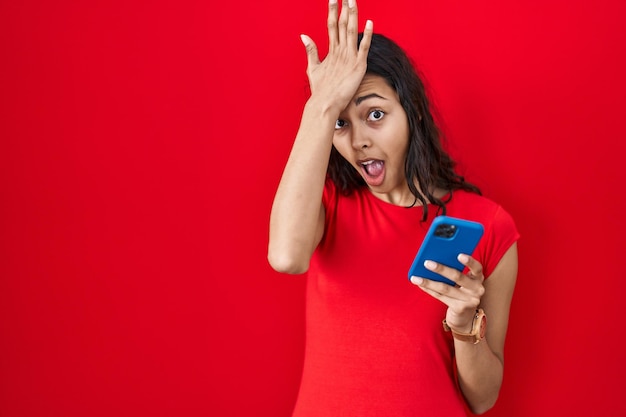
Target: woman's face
[{"x": 372, "y": 134}]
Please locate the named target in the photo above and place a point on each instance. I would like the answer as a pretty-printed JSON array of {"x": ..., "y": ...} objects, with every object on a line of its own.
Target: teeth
[{"x": 367, "y": 162}]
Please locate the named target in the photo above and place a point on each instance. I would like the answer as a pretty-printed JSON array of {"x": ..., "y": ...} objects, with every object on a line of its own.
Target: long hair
[{"x": 427, "y": 163}]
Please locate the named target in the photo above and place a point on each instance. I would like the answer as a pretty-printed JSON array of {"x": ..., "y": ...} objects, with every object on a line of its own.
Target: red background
[{"x": 141, "y": 144}]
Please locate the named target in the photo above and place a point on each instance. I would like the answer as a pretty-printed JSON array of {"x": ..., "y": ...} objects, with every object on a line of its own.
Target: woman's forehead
[{"x": 375, "y": 84}]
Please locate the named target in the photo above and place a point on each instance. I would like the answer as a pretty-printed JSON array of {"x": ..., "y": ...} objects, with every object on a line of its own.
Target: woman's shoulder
[
  {"x": 468, "y": 197},
  {"x": 500, "y": 228},
  {"x": 472, "y": 206}
]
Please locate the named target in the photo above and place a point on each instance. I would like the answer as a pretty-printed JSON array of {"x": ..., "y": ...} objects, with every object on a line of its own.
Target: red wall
[{"x": 141, "y": 143}]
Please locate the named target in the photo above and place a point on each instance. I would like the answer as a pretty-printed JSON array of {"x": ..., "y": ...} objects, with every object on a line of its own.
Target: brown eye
[
  {"x": 376, "y": 115},
  {"x": 339, "y": 124}
]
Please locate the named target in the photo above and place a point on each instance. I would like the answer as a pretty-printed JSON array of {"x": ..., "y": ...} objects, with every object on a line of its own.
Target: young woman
[{"x": 365, "y": 178}]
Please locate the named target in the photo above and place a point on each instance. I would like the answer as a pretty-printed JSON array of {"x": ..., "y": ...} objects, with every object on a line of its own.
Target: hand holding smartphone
[{"x": 446, "y": 238}]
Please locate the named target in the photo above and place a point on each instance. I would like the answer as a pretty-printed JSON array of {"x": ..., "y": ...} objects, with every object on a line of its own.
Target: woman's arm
[
  {"x": 480, "y": 366},
  {"x": 297, "y": 217}
]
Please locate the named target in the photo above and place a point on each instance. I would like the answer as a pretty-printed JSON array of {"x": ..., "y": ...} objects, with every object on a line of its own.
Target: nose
[{"x": 360, "y": 139}]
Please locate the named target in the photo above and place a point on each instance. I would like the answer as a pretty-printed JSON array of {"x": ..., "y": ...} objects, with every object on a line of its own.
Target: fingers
[
  {"x": 311, "y": 52},
  {"x": 463, "y": 298},
  {"x": 458, "y": 298},
  {"x": 468, "y": 290},
  {"x": 352, "y": 30},
  {"x": 475, "y": 267},
  {"x": 475, "y": 271},
  {"x": 343, "y": 21},
  {"x": 333, "y": 32},
  {"x": 339, "y": 74},
  {"x": 345, "y": 30},
  {"x": 366, "y": 41}
]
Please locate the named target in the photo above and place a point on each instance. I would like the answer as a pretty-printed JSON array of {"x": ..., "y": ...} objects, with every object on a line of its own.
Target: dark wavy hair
[{"x": 427, "y": 163}]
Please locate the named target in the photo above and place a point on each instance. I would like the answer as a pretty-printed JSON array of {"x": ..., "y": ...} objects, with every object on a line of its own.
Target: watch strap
[{"x": 476, "y": 334}]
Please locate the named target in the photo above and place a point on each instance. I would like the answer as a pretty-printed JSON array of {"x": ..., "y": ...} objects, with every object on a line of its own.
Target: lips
[{"x": 373, "y": 171}]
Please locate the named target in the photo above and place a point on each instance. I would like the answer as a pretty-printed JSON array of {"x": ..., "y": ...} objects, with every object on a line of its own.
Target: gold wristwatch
[{"x": 479, "y": 325}]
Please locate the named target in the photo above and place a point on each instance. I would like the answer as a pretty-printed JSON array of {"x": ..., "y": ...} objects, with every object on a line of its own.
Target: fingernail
[
  {"x": 350, "y": 3},
  {"x": 417, "y": 280},
  {"x": 369, "y": 25},
  {"x": 462, "y": 258},
  {"x": 332, "y": 1},
  {"x": 430, "y": 264},
  {"x": 305, "y": 40}
]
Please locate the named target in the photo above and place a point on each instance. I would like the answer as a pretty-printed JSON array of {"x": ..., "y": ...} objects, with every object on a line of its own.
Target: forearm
[
  {"x": 296, "y": 220},
  {"x": 480, "y": 373}
]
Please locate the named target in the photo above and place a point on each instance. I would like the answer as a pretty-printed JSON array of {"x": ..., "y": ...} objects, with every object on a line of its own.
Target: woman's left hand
[{"x": 462, "y": 299}]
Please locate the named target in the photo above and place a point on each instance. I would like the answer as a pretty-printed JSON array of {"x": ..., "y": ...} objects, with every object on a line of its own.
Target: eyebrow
[{"x": 359, "y": 100}]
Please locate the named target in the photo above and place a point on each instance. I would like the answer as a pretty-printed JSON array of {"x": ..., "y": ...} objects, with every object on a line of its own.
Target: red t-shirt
[{"x": 375, "y": 345}]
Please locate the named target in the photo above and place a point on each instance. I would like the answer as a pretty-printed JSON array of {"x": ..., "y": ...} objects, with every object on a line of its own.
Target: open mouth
[{"x": 373, "y": 171}]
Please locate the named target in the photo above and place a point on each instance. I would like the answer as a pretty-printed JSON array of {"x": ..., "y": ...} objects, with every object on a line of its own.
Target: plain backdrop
[{"x": 141, "y": 143}]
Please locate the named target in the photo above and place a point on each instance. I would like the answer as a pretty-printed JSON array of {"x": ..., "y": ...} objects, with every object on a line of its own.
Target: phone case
[{"x": 446, "y": 238}]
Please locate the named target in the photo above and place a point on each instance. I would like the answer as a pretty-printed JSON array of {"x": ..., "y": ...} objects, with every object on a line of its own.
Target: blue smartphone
[{"x": 446, "y": 238}]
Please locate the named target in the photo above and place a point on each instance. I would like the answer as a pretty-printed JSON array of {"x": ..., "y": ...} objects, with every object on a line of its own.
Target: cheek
[
  {"x": 403, "y": 145},
  {"x": 398, "y": 142}
]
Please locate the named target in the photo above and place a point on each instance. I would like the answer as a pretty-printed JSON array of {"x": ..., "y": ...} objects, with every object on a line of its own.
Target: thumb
[{"x": 311, "y": 51}]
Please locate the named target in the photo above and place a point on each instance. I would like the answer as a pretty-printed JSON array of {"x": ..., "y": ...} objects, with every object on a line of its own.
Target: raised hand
[{"x": 334, "y": 80}]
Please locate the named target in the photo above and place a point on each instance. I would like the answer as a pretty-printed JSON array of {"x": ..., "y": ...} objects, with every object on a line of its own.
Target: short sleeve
[
  {"x": 499, "y": 236},
  {"x": 329, "y": 196}
]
